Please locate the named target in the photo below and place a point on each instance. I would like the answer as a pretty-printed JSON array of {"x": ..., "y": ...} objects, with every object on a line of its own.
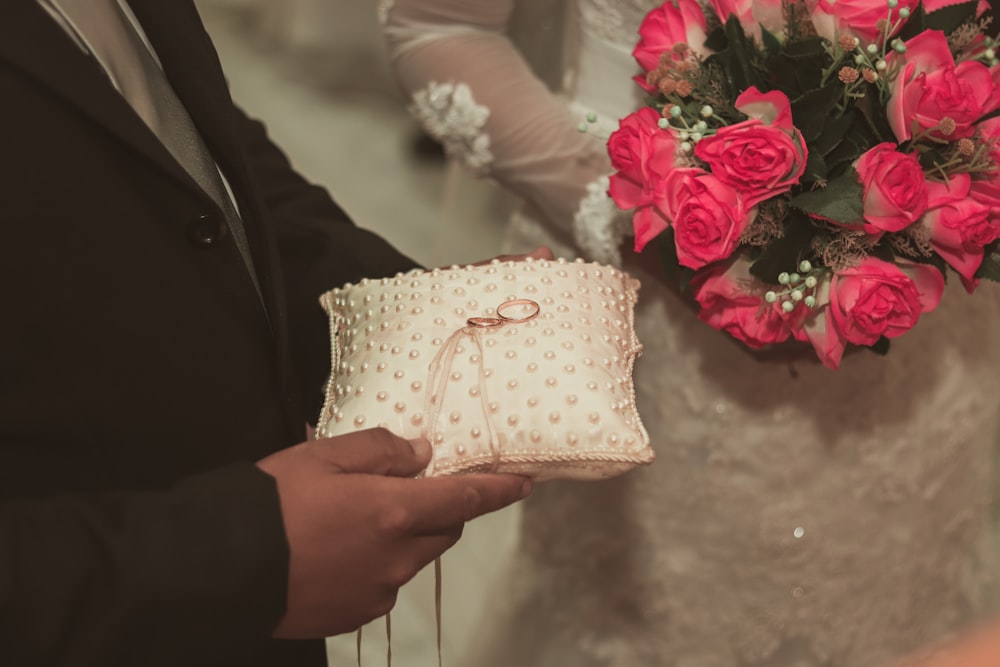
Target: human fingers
[
  {"x": 541, "y": 252},
  {"x": 374, "y": 451},
  {"x": 438, "y": 504}
]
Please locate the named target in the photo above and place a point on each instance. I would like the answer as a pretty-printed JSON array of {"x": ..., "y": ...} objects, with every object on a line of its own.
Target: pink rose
[
  {"x": 708, "y": 217},
  {"x": 931, "y": 6},
  {"x": 761, "y": 157},
  {"x": 820, "y": 330},
  {"x": 988, "y": 133},
  {"x": 680, "y": 22},
  {"x": 931, "y": 87},
  {"x": 752, "y": 15},
  {"x": 960, "y": 226},
  {"x": 726, "y": 305},
  {"x": 895, "y": 190},
  {"x": 643, "y": 155},
  {"x": 878, "y": 298},
  {"x": 857, "y": 18}
]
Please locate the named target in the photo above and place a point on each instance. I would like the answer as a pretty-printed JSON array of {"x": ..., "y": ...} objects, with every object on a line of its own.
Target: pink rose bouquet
[{"x": 815, "y": 170}]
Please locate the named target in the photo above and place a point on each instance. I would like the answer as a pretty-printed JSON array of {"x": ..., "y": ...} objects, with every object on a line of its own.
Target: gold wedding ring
[
  {"x": 484, "y": 322},
  {"x": 532, "y": 307}
]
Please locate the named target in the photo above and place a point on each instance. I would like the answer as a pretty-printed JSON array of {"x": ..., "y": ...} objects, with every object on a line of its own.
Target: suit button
[{"x": 207, "y": 229}]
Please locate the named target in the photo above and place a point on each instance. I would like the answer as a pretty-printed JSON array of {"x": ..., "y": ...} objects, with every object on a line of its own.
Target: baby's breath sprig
[
  {"x": 688, "y": 130},
  {"x": 966, "y": 156},
  {"x": 585, "y": 126},
  {"x": 798, "y": 287},
  {"x": 870, "y": 62}
]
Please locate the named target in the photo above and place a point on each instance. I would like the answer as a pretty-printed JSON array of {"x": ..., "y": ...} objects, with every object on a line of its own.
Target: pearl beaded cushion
[{"x": 522, "y": 367}]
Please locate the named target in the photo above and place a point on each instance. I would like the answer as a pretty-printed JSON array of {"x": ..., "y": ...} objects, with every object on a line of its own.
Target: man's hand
[{"x": 359, "y": 526}]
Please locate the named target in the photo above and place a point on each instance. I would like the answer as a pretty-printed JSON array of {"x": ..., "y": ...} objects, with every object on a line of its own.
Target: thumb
[
  {"x": 374, "y": 451},
  {"x": 541, "y": 252}
]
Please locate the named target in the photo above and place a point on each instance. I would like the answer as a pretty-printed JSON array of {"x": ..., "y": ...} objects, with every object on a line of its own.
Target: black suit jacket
[{"x": 140, "y": 376}]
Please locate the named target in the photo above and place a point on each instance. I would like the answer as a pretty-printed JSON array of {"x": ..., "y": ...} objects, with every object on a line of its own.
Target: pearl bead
[
  {"x": 381, "y": 396},
  {"x": 359, "y": 421},
  {"x": 416, "y": 385},
  {"x": 398, "y": 375},
  {"x": 417, "y": 419},
  {"x": 554, "y": 417},
  {"x": 400, "y": 407},
  {"x": 512, "y": 420},
  {"x": 512, "y": 384},
  {"x": 455, "y": 417},
  {"x": 475, "y": 433}
]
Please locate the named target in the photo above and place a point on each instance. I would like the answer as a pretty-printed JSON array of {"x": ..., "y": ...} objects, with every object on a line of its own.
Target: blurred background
[{"x": 315, "y": 72}]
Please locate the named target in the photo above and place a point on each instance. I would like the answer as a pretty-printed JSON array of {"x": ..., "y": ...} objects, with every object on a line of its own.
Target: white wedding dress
[{"x": 795, "y": 516}]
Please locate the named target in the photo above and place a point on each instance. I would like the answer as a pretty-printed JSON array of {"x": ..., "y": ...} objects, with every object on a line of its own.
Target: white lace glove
[{"x": 473, "y": 91}]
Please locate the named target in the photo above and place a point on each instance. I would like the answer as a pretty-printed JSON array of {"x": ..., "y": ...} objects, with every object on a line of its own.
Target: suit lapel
[
  {"x": 191, "y": 65},
  {"x": 31, "y": 41},
  {"x": 189, "y": 60}
]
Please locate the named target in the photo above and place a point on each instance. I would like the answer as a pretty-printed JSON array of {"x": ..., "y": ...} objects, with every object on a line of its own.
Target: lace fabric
[
  {"x": 795, "y": 517},
  {"x": 449, "y": 113}
]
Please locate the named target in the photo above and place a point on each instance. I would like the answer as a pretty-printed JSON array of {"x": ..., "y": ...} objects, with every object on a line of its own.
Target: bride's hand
[{"x": 541, "y": 252}]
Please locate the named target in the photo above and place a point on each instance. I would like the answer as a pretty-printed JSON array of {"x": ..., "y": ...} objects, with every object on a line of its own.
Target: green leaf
[
  {"x": 833, "y": 133},
  {"x": 914, "y": 25},
  {"x": 812, "y": 110},
  {"x": 772, "y": 44},
  {"x": 740, "y": 58},
  {"x": 875, "y": 117},
  {"x": 990, "y": 268},
  {"x": 785, "y": 253},
  {"x": 716, "y": 41},
  {"x": 950, "y": 17},
  {"x": 815, "y": 168},
  {"x": 799, "y": 67},
  {"x": 881, "y": 346},
  {"x": 839, "y": 202}
]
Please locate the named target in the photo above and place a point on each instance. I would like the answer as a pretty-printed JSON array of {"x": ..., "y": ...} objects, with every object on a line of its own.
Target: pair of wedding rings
[{"x": 507, "y": 314}]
